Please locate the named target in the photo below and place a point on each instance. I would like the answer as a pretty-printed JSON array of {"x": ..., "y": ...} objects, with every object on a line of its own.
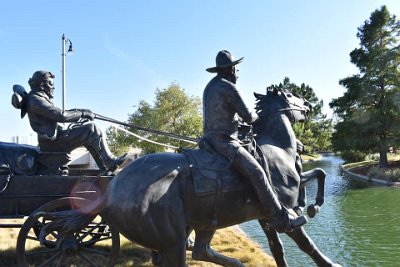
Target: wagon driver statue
[{"x": 44, "y": 118}]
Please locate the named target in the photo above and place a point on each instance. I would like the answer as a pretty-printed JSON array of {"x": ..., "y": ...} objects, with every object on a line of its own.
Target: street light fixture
[{"x": 70, "y": 51}]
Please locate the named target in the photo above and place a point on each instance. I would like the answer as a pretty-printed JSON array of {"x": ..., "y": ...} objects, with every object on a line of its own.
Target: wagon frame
[{"x": 31, "y": 196}]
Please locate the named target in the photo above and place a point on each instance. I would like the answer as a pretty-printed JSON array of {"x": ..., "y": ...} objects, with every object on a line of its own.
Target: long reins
[
  {"x": 145, "y": 139},
  {"x": 150, "y": 130}
]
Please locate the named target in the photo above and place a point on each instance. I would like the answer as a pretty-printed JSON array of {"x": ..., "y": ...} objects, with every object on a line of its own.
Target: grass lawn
[{"x": 229, "y": 241}]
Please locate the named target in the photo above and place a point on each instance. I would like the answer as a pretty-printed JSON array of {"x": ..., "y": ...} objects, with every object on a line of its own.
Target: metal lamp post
[{"x": 70, "y": 50}]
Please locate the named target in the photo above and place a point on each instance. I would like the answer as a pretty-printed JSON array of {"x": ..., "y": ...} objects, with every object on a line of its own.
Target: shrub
[
  {"x": 391, "y": 175},
  {"x": 374, "y": 157},
  {"x": 353, "y": 156}
]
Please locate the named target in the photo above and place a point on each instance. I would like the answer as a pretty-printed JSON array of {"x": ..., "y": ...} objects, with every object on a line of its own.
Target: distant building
[
  {"x": 24, "y": 139},
  {"x": 82, "y": 159}
]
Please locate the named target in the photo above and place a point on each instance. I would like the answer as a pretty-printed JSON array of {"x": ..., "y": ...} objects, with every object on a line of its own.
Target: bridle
[{"x": 292, "y": 107}]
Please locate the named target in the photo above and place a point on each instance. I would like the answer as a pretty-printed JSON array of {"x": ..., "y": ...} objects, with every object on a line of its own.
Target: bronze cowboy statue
[
  {"x": 45, "y": 119},
  {"x": 222, "y": 104}
]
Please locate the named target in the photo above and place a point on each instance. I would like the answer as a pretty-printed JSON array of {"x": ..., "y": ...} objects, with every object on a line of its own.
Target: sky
[{"x": 125, "y": 49}]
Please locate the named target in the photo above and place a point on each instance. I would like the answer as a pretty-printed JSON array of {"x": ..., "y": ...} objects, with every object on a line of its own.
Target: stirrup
[
  {"x": 286, "y": 222},
  {"x": 296, "y": 223}
]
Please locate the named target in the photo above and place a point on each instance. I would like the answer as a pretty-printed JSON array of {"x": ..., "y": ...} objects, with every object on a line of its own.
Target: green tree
[
  {"x": 173, "y": 111},
  {"x": 117, "y": 141},
  {"x": 368, "y": 113},
  {"x": 316, "y": 132}
]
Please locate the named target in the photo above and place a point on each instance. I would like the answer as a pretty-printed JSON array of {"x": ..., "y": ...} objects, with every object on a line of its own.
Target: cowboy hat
[
  {"x": 18, "y": 99},
  {"x": 224, "y": 59}
]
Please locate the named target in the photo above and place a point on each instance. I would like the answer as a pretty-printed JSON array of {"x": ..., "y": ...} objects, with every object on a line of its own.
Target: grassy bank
[
  {"x": 230, "y": 241},
  {"x": 310, "y": 157},
  {"x": 370, "y": 168}
]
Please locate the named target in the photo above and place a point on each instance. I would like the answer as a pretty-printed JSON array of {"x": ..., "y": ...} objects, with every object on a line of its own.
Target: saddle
[{"x": 212, "y": 173}]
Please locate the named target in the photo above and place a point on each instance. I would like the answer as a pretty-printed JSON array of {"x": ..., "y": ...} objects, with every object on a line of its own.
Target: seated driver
[{"x": 44, "y": 118}]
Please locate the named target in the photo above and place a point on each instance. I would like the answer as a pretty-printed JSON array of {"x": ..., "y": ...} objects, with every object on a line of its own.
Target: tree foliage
[
  {"x": 316, "y": 132},
  {"x": 117, "y": 141},
  {"x": 368, "y": 112},
  {"x": 172, "y": 112}
]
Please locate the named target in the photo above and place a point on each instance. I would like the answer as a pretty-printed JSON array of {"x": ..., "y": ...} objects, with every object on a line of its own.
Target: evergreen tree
[
  {"x": 368, "y": 112},
  {"x": 316, "y": 132}
]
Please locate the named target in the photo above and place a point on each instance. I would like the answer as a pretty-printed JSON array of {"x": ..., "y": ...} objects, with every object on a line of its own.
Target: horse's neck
[{"x": 276, "y": 130}]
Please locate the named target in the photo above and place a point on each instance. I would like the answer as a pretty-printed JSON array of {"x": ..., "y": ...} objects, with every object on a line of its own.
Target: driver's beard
[{"x": 49, "y": 93}]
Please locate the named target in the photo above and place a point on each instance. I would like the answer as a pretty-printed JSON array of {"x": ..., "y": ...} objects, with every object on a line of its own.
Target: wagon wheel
[
  {"x": 93, "y": 235},
  {"x": 88, "y": 247}
]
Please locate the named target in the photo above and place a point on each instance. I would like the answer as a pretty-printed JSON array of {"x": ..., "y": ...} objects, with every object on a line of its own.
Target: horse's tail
[{"x": 71, "y": 221}]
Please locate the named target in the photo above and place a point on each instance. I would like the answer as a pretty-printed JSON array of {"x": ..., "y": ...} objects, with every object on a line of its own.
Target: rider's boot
[
  {"x": 104, "y": 155},
  {"x": 280, "y": 218}
]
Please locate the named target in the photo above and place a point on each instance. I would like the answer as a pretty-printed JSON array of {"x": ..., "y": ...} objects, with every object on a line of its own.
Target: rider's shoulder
[
  {"x": 36, "y": 94},
  {"x": 224, "y": 83},
  {"x": 35, "y": 98}
]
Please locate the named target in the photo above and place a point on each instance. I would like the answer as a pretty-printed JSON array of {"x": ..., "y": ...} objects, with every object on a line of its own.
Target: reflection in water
[{"x": 359, "y": 224}]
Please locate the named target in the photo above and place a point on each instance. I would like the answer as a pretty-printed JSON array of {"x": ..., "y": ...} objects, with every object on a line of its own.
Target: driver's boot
[
  {"x": 110, "y": 161},
  {"x": 104, "y": 155},
  {"x": 279, "y": 217},
  {"x": 102, "y": 169}
]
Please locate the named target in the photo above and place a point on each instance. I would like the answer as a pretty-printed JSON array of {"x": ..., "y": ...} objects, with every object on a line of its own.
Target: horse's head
[{"x": 277, "y": 100}]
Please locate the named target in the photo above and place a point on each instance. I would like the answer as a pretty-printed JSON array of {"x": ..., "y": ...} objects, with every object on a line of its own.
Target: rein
[
  {"x": 145, "y": 139},
  {"x": 170, "y": 135},
  {"x": 286, "y": 109}
]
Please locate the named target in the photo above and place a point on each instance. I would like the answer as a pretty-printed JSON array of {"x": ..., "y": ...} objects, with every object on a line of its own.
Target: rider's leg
[{"x": 280, "y": 219}]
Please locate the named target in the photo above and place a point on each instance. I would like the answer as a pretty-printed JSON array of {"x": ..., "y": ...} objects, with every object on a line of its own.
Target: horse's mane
[{"x": 262, "y": 101}]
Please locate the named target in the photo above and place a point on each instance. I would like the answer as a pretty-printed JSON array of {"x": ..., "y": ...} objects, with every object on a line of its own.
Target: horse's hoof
[
  {"x": 189, "y": 244},
  {"x": 312, "y": 210},
  {"x": 298, "y": 210}
]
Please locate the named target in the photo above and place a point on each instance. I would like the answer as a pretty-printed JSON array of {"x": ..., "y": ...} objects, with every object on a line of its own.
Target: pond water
[{"x": 358, "y": 225}]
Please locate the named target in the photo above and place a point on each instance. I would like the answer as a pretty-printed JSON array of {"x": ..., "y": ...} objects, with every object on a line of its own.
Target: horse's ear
[
  {"x": 258, "y": 96},
  {"x": 272, "y": 90}
]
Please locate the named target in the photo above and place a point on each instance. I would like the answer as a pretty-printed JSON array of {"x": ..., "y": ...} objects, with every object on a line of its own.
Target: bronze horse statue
[{"x": 156, "y": 202}]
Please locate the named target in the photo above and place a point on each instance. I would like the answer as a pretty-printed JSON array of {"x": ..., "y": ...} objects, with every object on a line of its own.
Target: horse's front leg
[
  {"x": 305, "y": 243},
  {"x": 275, "y": 244},
  {"x": 308, "y": 176},
  {"x": 202, "y": 250},
  {"x": 173, "y": 256},
  {"x": 301, "y": 201}
]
